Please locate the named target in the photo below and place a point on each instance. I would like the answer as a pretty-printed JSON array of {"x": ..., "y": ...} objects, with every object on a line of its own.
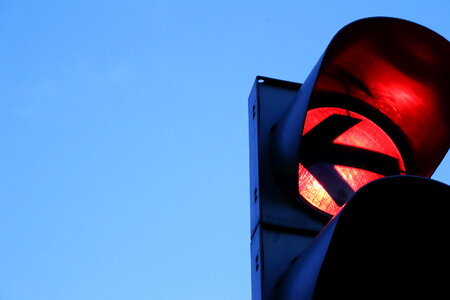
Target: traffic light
[{"x": 376, "y": 105}]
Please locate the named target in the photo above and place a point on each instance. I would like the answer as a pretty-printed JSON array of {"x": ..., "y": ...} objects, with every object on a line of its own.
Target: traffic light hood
[{"x": 393, "y": 71}]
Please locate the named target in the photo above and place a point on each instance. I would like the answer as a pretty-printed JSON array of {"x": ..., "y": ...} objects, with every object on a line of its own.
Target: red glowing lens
[{"x": 345, "y": 153}]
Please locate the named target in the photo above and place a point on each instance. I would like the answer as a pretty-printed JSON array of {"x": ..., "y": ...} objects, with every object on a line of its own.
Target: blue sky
[{"x": 124, "y": 137}]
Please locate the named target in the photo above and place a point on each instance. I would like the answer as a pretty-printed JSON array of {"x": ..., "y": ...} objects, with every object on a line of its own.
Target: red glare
[{"x": 366, "y": 137}]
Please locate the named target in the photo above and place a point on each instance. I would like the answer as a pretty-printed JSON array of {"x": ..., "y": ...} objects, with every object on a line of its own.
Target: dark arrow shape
[{"x": 318, "y": 154}]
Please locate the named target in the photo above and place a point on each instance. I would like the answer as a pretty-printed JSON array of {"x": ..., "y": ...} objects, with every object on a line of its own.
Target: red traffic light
[
  {"x": 393, "y": 75},
  {"x": 400, "y": 69},
  {"x": 375, "y": 105}
]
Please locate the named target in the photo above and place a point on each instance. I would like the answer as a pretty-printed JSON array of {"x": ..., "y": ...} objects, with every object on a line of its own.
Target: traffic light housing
[{"x": 375, "y": 105}]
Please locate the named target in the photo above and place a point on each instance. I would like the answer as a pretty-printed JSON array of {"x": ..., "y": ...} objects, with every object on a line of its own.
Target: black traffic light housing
[{"x": 387, "y": 73}]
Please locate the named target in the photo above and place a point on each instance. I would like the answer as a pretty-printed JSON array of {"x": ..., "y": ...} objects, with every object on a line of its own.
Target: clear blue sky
[{"x": 124, "y": 138}]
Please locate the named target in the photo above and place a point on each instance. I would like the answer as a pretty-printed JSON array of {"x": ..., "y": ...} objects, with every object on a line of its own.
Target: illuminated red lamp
[{"x": 365, "y": 137}]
